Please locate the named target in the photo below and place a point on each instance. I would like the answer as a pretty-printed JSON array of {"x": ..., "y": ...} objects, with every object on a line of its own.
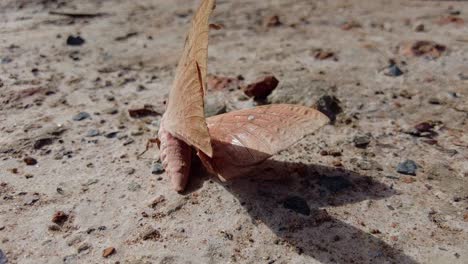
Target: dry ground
[{"x": 361, "y": 209}]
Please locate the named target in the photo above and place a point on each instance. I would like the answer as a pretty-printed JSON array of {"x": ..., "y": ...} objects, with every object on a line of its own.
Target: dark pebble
[
  {"x": 75, "y": 41},
  {"x": 393, "y": 71},
  {"x": 30, "y": 161},
  {"x": 157, "y": 168},
  {"x": 81, "y": 116},
  {"x": 93, "y": 133},
  {"x": 330, "y": 106},
  {"x": 297, "y": 204},
  {"x": 43, "y": 142},
  {"x": 262, "y": 87},
  {"x": 407, "y": 167},
  {"x": 111, "y": 134},
  {"x": 361, "y": 141},
  {"x": 3, "y": 258}
]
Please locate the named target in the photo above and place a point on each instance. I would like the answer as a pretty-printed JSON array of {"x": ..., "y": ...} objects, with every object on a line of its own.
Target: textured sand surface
[{"x": 360, "y": 209}]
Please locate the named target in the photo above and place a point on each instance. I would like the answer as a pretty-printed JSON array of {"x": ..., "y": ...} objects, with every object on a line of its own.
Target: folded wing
[{"x": 244, "y": 138}]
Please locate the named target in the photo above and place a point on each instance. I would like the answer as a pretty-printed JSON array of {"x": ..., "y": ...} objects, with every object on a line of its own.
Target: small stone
[
  {"x": 361, "y": 141},
  {"x": 375, "y": 231},
  {"x": 30, "y": 161},
  {"x": 108, "y": 251},
  {"x": 273, "y": 21},
  {"x": 38, "y": 144},
  {"x": 407, "y": 167},
  {"x": 92, "y": 133},
  {"x": 128, "y": 141},
  {"x": 434, "y": 101},
  {"x": 3, "y": 258},
  {"x": 31, "y": 199},
  {"x": 297, "y": 204},
  {"x": 81, "y": 116},
  {"x": 133, "y": 186},
  {"x": 157, "y": 168},
  {"x": 262, "y": 87},
  {"x": 423, "y": 48},
  {"x": 157, "y": 201},
  {"x": 111, "y": 134},
  {"x": 75, "y": 41},
  {"x": 330, "y": 106},
  {"x": 91, "y": 182},
  {"x": 53, "y": 227},
  {"x": 59, "y": 217},
  {"x": 111, "y": 111},
  {"x": 393, "y": 71},
  {"x": 320, "y": 54},
  {"x": 150, "y": 234},
  {"x": 147, "y": 110},
  {"x": 74, "y": 240},
  {"x": 419, "y": 28},
  {"x": 83, "y": 247},
  {"x": 129, "y": 171}
]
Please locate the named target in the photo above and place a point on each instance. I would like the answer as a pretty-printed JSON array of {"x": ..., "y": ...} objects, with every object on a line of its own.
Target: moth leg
[{"x": 149, "y": 144}]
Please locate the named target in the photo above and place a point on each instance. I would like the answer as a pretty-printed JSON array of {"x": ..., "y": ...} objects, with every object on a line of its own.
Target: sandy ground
[{"x": 338, "y": 204}]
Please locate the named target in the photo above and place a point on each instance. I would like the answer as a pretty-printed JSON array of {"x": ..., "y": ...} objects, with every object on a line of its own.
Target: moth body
[{"x": 175, "y": 155}]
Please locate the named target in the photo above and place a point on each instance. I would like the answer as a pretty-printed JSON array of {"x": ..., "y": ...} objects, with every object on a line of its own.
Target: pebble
[
  {"x": 150, "y": 233},
  {"x": 30, "y": 161},
  {"x": 3, "y": 258},
  {"x": 108, "y": 251},
  {"x": 297, "y": 204},
  {"x": 111, "y": 134},
  {"x": 128, "y": 141},
  {"x": 133, "y": 186},
  {"x": 419, "y": 28},
  {"x": 83, "y": 247},
  {"x": 330, "y": 106},
  {"x": 129, "y": 171},
  {"x": 111, "y": 111},
  {"x": 157, "y": 168},
  {"x": 92, "y": 133},
  {"x": 272, "y": 21},
  {"x": 407, "y": 167},
  {"x": 157, "y": 201},
  {"x": 393, "y": 71},
  {"x": 81, "y": 116},
  {"x": 59, "y": 217},
  {"x": 38, "y": 144},
  {"x": 361, "y": 141},
  {"x": 75, "y": 41},
  {"x": 262, "y": 87},
  {"x": 31, "y": 199}
]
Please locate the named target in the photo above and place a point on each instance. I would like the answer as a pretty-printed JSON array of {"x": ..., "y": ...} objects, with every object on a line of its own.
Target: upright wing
[
  {"x": 247, "y": 137},
  {"x": 184, "y": 117}
]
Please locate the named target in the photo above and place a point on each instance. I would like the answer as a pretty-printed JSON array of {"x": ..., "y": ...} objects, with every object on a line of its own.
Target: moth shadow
[{"x": 293, "y": 202}]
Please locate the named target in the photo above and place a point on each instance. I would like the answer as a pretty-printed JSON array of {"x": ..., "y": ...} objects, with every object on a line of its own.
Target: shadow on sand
[{"x": 293, "y": 202}]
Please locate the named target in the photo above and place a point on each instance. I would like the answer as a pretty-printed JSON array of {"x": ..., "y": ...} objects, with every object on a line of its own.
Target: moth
[{"x": 229, "y": 144}]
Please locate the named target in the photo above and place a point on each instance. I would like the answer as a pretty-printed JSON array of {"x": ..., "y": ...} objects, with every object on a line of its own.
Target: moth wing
[
  {"x": 247, "y": 137},
  {"x": 184, "y": 117}
]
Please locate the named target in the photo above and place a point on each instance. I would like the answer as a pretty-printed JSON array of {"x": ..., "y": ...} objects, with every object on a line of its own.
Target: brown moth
[{"x": 228, "y": 144}]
